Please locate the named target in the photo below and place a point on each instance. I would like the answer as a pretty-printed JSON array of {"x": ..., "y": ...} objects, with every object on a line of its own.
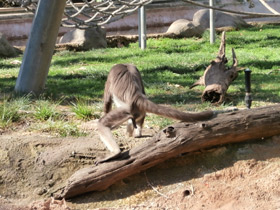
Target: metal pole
[
  {"x": 248, "y": 97},
  {"x": 143, "y": 27},
  {"x": 139, "y": 27},
  {"x": 38, "y": 54},
  {"x": 212, "y": 22}
]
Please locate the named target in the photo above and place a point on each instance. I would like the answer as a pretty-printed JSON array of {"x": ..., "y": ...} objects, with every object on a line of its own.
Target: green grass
[
  {"x": 12, "y": 110},
  {"x": 59, "y": 128},
  {"x": 8, "y": 113},
  {"x": 85, "y": 111},
  {"x": 45, "y": 110},
  {"x": 168, "y": 67}
]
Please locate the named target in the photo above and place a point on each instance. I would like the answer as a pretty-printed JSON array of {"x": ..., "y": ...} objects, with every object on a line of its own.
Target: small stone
[{"x": 40, "y": 191}]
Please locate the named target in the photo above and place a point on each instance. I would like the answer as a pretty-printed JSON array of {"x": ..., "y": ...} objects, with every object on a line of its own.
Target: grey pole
[
  {"x": 143, "y": 28},
  {"x": 40, "y": 46},
  {"x": 212, "y": 22},
  {"x": 139, "y": 27}
]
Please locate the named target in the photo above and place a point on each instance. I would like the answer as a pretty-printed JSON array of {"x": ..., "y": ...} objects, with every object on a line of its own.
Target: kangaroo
[{"x": 125, "y": 88}]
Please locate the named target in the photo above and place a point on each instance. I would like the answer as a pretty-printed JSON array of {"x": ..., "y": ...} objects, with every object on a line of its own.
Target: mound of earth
[{"x": 239, "y": 176}]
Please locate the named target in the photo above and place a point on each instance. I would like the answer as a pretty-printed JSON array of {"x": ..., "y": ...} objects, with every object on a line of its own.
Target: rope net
[
  {"x": 100, "y": 12},
  {"x": 93, "y": 13}
]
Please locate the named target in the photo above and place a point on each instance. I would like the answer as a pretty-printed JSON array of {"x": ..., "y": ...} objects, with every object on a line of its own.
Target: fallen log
[
  {"x": 217, "y": 77},
  {"x": 174, "y": 140}
]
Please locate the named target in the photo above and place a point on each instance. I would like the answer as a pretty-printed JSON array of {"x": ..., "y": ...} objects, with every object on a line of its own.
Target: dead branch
[
  {"x": 217, "y": 77},
  {"x": 174, "y": 140}
]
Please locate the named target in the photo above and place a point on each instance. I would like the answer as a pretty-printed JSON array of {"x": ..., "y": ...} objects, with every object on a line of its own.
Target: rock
[
  {"x": 40, "y": 191},
  {"x": 6, "y": 49},
  {"x": 185, "y": 28},
  {"x": 15, "y": 62},
  {"x": 87, "y": 39},
  {"x": 201, "y": 17}
]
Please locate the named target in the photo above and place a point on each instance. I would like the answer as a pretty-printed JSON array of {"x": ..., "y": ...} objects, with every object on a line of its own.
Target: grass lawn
[{"x": 168, "y": 67}]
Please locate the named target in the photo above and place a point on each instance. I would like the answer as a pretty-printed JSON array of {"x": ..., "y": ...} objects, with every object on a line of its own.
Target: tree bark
[{"x": 174, "y": 140}]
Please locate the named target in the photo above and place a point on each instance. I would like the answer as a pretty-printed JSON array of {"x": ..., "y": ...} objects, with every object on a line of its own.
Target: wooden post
[{"x": 38, "y": 54}]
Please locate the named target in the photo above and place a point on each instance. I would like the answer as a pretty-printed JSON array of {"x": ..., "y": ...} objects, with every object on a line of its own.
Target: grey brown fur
[{"x": 124, "y": 86}]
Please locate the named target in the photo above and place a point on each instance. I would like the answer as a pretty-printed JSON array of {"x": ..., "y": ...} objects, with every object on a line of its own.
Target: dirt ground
[{"x": 35, "y": 165}]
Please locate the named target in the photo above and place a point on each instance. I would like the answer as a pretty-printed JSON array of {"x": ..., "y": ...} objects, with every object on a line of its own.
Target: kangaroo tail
[{"x": 148, "y": 106}]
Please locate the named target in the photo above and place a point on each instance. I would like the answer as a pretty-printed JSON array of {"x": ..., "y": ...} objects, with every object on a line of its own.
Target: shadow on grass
[
  {"x": 262, "y": 88},
  {"x": 84, "y": 86},
  {"x": 192, "y": 97},
  {"x": 182, "y": 48},
  {"x": 70, "y": 87},
  {"x": 239, "y": 40},
  {"x": 92, "y": 58},
  {"x": 262, "y": 64},
  {"x": 91, "y": 86},
  {"x": 7, "y": 86},
  {"x": 176, "y": 69},
  {"x": 247, "y": 36},
  {"x": 7, "y": 66}
]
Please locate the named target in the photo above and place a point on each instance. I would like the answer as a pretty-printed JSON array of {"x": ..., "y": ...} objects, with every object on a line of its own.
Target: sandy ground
[{"x": 33, "y": 166}]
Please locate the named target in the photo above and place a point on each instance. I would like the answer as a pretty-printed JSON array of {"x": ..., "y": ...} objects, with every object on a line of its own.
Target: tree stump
[
  {"x": 217, "y": 77},
  {"x": 174, "y": 140}
]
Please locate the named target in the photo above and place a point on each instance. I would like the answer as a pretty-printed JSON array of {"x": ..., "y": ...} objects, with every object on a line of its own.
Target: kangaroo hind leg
[
  {"x": 109, "y": 121},
  {"x": 139, "y": 125}
]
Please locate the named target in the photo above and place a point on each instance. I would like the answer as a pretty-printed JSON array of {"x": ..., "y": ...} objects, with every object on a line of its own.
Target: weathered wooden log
[
  {"x": 174, "y": 140},
  {"x": 217, "y": 78}
]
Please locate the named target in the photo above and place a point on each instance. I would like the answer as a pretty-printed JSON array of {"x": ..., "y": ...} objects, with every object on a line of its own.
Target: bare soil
[{"x": 35, "y": 165}]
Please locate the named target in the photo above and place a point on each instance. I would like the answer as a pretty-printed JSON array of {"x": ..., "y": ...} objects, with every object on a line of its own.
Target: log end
[{"x": 213, "y": 94}]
